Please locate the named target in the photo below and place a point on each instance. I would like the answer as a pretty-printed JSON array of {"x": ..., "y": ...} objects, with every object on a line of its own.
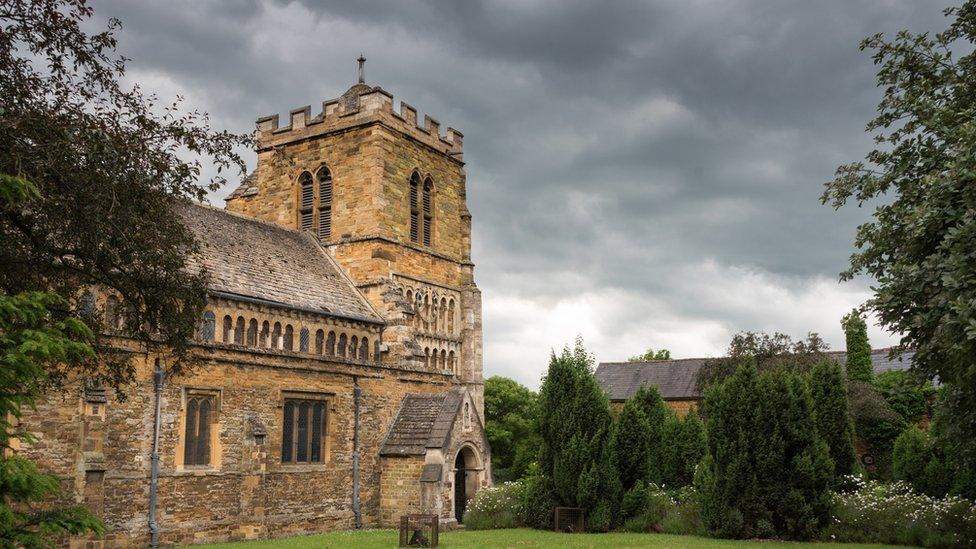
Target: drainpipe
[
  {"x": 357, "y": 394},
  {"x": 158, "y": 377}
]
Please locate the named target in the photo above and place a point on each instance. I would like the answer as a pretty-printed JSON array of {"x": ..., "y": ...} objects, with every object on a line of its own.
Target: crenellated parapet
[{"x": 360, "y": 105}]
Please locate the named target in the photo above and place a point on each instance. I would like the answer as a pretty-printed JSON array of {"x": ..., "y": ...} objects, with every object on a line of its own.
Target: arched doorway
[
  {"x": 467, "y": 472},
  {"x": 460, "y": 488}
]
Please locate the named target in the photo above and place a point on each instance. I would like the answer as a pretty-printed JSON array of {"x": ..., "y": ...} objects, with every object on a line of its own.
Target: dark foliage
[
  {"x": 511, "y": 410},
  {"x": 833, "y": 420},
  {"x": 767, "y": 352}
]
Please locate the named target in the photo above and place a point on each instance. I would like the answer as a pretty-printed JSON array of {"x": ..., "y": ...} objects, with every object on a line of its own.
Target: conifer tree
[
  {"x": 631, "y": 442},
  {"x": 649, "y": 400},
  {"x": 858, "y": 348},
  {"x": 833, "y": 419}
]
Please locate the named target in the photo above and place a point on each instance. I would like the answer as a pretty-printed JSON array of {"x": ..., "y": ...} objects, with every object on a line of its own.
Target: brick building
[{"x": 340, "y": 377}]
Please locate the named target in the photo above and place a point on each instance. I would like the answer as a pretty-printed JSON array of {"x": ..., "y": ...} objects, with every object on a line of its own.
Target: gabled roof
[
  {"x": 423, "y": 421},
  {"x": 675, "y": 379},
  {"x": 249, "y": 258},
  {"x": 248, "y": 187}
]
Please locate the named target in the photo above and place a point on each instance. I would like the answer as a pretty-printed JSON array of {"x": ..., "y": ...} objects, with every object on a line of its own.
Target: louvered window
[
  {"x": 304, "y": 435},
  {"x": 325, "y": 204},
  {"x": 414, "y": 208},
  {"x": 428, "y": 210},
  {"x": 200, "y": 417},
  {"x": 306, "y": 206}
]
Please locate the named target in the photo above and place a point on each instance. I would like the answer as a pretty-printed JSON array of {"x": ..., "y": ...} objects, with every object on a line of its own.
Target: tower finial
[{"x": 362, "y": 68}]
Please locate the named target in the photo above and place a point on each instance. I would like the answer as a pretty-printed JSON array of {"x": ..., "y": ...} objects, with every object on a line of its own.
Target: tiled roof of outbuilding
[
  {"x": 423, "y": 421},
  {"x": 256, "y": 259},
  {"x": 675, "y": 379}
]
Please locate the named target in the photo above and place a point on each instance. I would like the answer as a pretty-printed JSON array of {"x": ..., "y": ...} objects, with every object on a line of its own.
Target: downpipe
[
  {"x": 158, "y": 377},
  {"x": 357, "y": 394}
]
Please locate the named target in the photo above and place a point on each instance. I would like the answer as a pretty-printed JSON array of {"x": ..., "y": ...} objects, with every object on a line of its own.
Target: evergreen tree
[
  {"x": 649, "y": 400},
  {"x": 631, "y": 444},
  {"x": 575, "y": 425},
  {"x": 686, "y": 450},
  {"x": 858, "y": 347},
  {"x": 833, "y": 419},
  {"x": 770, "y": 472}
]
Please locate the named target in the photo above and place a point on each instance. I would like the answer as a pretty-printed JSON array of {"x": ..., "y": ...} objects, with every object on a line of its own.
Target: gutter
[{"x": 158, "y": 378}]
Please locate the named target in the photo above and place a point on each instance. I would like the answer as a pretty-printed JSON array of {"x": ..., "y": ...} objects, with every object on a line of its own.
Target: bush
[
  {"x": 649, "y": 400},
  {"x": 539, "y": 502},
  {"x": 893, "y": 513},
  {"x": 916, "y": 462},
  {"x": 501, "y": 506},
  {"x": 833, "y": 419},
  {"x": 684, "y": 518},
  {"x": 631, "y": 440},
  {"x": 905, "y": 392}
]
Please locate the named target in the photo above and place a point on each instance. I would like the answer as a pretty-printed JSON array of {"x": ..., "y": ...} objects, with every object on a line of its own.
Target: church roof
[
  {"x": 248, "y": 187},
  {"x": 423, "y": 421},
  {"x": 676, "y": 379},
  {"x": 249, "y": 258}
]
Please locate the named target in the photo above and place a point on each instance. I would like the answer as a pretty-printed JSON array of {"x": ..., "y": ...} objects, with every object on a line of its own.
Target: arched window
[
  {"x": 330, "y": 344},
  {"x": 426, "y": 312},
  {"x": 325, "y": 203},
  {"x": 467, "y": 416},
  {"x": 113, "y": 317},
  {"x": 264, "y": 335},
  {"x": 252, "y": 332},
  {"x": 208, "y": 326},
  {"x": 443, "y": 364},
  {"x": 319, "y": 341},
  {"x": 342, "y": 345},
  {"x": 442, "y": 315},
  {"x": 306, "y": 202},
  {"x": 364, "y": 349},
  {"x": 239, "y": 331},
  {"x": 228, "y": 327},
  {"x": 415, "y": 207},
  {"x": 289, "y": 337},
  {"x": 427, "y": 357},
  {"x": 452, "y": 362},
  {"x": 353, "y": 346},
  {"x": 428, "y": 209},
  {"x": 303, "y": 340},
  {"x": 450, "y": 317},
  {"x": 276, "y": 336}
]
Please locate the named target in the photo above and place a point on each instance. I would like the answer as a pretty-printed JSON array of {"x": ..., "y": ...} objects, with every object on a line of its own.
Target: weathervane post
[{"x": 362, "y": 68}]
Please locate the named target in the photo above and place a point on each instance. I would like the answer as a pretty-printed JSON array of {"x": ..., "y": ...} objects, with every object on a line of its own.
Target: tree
[
  {"x": 766, "y": 352},
  {"x": 89, "y": 174},
  {"x": 685, "y": 446},
  {"x": 631, "y": 442},
  {"x": 769, "y": 471},
  {"x": 918, "y": 247},
  {"x": 649, "y": 400},
  {"x": 511, "y": 412},
  {"x": 651, "y": 355},
  {"x": 833, "y": 420},
  {"x": 859, "y": 365},
  {"x": 575, "y": 425},
  {"x": 907, "y": 393}
]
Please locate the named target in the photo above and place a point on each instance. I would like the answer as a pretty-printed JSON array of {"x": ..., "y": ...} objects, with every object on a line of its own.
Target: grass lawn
[{"x": 509, "y": 538}]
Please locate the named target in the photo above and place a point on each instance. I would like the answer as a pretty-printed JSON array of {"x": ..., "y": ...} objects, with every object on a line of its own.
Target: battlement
[{"x": 360, "y": 105}]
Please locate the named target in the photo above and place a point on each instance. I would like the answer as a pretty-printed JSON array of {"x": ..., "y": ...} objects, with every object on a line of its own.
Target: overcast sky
[{"x": 641, "y": 174}]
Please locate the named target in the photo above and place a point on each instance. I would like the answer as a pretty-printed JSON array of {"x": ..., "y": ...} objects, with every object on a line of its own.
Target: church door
[{"x": 460, "y": 488}]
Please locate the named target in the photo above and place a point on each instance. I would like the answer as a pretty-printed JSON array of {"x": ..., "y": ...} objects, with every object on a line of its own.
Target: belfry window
[
  {"x": 315, "y": 203},
  {"x": 415, "y": 207},
  {"x": 306, "y": 206},
  {"x": 428, "y": 210},
  {"x": 325, "y": 204}
]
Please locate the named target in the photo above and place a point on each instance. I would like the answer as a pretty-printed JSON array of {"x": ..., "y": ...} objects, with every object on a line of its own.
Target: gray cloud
[{"x": 653, "y": 168}]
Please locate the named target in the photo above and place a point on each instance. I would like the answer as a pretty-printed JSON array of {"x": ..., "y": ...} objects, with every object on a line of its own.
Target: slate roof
[
  {"x": 256, "y": 259},
  {"x": 675, "y": 379},
  {"x": 423, "y": 421},
  {"x": 248, "y": 186}
]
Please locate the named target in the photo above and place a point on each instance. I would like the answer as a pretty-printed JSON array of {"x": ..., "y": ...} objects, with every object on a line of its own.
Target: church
[{"x": 340, "y": 378}]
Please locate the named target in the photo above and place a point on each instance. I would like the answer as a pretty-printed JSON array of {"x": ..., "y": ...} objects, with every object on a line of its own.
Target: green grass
[{"x": 518, "y": 538}]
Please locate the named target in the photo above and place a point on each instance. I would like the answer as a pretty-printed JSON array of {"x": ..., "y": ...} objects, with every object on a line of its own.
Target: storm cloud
[{"x": 640, "y": 173}]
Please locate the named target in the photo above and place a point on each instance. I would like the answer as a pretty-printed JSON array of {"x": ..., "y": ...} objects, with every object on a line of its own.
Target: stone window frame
[
  {"x": 216, "y": 453},
  {"x": 327, "y": 398}
]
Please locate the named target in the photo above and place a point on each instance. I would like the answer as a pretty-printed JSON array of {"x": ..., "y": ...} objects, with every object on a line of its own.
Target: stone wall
[
  {"x": 399, "y": 488},
  {"x": 103, "y": 457}
]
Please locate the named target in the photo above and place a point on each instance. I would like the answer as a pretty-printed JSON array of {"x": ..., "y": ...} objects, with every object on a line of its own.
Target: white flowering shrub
[
  {"x": 891, "y": 512},
  {"x": 501, "y": 506}
]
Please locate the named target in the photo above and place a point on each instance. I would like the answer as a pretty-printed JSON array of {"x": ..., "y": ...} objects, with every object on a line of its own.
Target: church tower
[{"x": 386, "y": 195}]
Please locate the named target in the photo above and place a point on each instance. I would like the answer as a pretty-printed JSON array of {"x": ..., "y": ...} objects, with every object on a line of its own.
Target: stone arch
[{"x": 466, "y": 473}]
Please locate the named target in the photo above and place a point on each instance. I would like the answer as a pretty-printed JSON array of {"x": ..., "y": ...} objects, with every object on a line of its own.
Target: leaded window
[
  {"x": 303, "y": 437},
  {"x": 201, "y": 416}
]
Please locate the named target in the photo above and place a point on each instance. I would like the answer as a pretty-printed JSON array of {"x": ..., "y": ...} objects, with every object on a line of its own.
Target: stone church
[{"x": 340, "y": 376}]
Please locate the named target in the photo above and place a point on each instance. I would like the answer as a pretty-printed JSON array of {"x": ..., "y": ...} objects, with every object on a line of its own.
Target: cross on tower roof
[{"x": 362, "y": 68}]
